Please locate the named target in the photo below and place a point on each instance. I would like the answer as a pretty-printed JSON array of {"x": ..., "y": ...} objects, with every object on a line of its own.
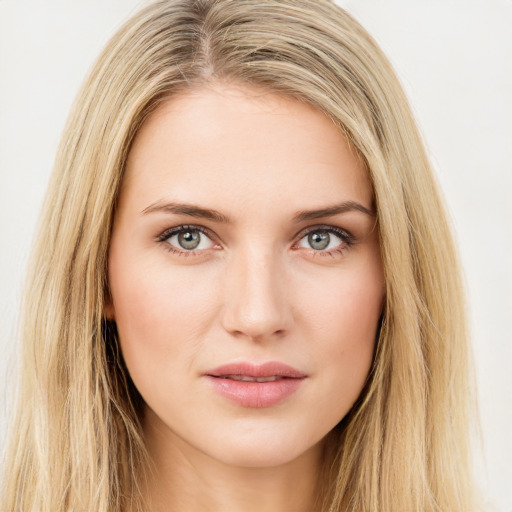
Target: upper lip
[{"x": 269, "y": 369}]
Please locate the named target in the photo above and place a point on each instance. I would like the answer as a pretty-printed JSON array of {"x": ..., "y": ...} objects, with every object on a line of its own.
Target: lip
[{"x": 255, "y": 394}]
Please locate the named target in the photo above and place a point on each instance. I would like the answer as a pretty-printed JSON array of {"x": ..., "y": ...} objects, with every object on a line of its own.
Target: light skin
[{"x": 263, "y": 281}]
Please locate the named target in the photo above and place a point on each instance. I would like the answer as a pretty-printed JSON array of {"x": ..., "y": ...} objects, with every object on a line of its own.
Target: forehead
[{"x": 240, "y": 143}]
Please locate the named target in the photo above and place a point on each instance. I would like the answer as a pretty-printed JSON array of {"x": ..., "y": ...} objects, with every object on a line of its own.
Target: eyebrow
[
  {"x": 329, "y": 211},
  {"x": 193, "y": 210},
  {"x": 188, "y": 209}
]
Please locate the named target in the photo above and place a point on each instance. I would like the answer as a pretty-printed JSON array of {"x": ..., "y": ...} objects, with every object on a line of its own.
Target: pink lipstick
[{"x": 255, "y": 385}]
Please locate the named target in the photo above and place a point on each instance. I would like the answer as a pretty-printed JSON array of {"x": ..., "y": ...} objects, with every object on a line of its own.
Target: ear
[{"x": 109, "y": 312}]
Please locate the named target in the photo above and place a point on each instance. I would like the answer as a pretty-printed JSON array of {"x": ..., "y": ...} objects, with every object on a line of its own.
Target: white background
[{"x": 454, "y": 58}]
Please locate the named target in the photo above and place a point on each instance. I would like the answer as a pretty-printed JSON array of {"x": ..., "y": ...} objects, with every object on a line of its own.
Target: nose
[{"x": 257, "y": 306}]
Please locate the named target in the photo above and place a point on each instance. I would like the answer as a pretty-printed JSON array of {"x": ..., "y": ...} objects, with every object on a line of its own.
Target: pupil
[
  {"x": 188, "y": 239},
  {"x": 319, "y": 240}
]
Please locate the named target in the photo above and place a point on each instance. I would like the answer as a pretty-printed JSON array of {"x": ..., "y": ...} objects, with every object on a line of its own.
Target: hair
[{"x": 76, "y": 441}]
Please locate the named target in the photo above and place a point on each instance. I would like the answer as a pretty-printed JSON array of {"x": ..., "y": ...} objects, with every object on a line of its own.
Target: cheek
[
  {"x": 347, "y": 305},
  {"x": 343, "y": 317},
  {"x": 160, "y": 312}
]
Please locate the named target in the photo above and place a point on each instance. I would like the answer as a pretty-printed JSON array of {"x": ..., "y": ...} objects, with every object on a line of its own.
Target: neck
[{"x": 184, "y": 478}]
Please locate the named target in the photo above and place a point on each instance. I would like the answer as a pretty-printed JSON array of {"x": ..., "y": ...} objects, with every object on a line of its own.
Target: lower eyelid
[
  {"x": 174, "y": 250},
  {"x": 332, "y": 253}
]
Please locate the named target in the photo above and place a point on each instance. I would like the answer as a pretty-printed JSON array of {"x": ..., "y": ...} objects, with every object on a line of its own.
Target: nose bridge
[{"x": 256, "y": 304}]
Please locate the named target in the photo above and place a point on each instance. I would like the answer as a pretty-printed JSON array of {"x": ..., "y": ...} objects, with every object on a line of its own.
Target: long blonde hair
[{"x": 76, "y": 441}]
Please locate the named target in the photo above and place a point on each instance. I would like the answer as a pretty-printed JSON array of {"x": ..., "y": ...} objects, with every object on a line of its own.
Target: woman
[{"x": 245, "y": 293}]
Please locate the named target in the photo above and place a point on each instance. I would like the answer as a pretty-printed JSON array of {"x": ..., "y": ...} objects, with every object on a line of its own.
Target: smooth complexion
[{"x": 277, "y": 261}]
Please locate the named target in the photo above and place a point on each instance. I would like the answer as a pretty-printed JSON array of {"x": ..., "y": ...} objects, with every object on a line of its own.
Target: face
[{"x": 245, "y": 274}]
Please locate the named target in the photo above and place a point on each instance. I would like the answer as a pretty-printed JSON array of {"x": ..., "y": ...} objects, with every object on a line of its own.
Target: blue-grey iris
[
  {"x": 319, "y": 240},
  {"x": 189, "y": 239}
]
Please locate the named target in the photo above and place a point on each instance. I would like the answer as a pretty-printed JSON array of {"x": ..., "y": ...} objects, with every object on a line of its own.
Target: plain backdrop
[{"x": 454, "y": 58}]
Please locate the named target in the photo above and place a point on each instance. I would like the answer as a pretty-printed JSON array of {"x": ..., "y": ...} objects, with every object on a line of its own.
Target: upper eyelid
[
  {"x": 325, "y": 227},
  {"x": 167, "y": 233}
]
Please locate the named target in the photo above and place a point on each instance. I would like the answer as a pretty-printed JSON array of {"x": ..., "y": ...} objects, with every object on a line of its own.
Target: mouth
[
  {"x": 250, "y": 372},
  {"x": 247, "y": 378},
  {"x": 256, "y": 386}
]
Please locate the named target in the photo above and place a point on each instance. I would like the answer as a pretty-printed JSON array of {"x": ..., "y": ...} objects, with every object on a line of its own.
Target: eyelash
[
  {"x": 346, "y": 238},
  {"x": 175, "y": 231}
]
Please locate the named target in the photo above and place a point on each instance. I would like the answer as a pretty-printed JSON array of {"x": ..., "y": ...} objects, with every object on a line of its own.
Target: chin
[{"x": 263, "y": 450}]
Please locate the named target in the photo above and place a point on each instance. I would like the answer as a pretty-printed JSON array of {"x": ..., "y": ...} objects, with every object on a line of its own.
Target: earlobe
[{"x": 109, "y": 312}]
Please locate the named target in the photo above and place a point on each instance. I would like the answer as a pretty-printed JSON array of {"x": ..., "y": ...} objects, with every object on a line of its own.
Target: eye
[
  {"x": 186, "y": 239},
  {"x": 327, "y": 240}
]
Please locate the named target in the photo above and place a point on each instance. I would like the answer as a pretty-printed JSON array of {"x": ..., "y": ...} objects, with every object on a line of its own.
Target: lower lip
[{"x": 255, "y": 394}]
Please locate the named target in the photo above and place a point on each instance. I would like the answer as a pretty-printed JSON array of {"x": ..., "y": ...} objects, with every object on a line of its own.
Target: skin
[{"x": 255, "y": 290}]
